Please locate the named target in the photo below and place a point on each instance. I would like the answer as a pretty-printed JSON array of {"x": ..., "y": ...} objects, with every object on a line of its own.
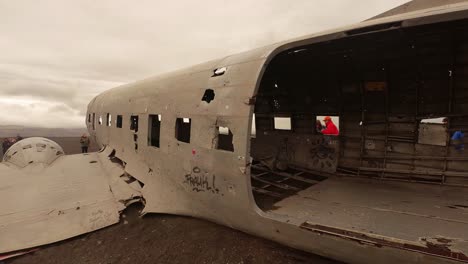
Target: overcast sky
[{"x": 56, "y": 55}]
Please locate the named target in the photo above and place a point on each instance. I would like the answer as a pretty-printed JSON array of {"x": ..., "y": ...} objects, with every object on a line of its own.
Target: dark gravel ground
[
  {"x": 163, "y": 239},
  {"x": 166, "y": 239}
]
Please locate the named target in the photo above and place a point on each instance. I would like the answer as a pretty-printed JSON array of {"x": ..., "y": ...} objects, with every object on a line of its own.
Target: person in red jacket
[{"x": 330, "y": 128}]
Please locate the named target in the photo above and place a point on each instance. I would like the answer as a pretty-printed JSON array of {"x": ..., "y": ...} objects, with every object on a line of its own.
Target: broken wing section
[{"x": 72, "y": 196}]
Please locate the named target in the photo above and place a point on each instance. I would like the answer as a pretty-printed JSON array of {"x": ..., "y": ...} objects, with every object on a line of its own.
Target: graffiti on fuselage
[{"x": 201, "y": 182}]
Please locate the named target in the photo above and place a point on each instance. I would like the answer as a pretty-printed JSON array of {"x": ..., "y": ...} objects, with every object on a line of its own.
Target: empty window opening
[
  {"x": 182, "y": 130},
  {"x": 154, "y": 125},
  {"x": 119, "y": 121},
  {"x": 89, "y": 118},
  {"x": 100, "y": 120},
  {"x": 328, "y": 125},
  {"x": 282, "y": 123},
  {"x": 134, "y": 123},
  {"x": 433, "y": 131},
  {"x": 208, "y": 96},
  {"x": 109, "y": 119},
  {"x": 219, "y": 71},
  {"x": 225, "y": 138}
]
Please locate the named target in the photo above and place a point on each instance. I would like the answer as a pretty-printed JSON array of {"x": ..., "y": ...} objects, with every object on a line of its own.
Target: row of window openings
[
  {"x": 285, "y": 123},
  {"x": 432, "y": 131},
  {"x": 183, "y": 126},
  {"x": 280, "y": 123},
  {"x": 182, "y": 130}
]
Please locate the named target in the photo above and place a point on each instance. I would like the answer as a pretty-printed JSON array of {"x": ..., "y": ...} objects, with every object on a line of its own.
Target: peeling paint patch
[{"x": 439, "y": 246}]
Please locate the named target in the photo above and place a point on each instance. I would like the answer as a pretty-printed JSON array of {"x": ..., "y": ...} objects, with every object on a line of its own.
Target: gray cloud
[{"x": 58, "y": 54}]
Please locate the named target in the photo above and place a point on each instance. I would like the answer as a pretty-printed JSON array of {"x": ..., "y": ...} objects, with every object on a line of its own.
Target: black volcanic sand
[{"x": 163, "y": 239}]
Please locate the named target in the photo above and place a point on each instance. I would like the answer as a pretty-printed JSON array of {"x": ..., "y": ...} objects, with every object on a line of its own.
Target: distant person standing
[
  {"x": 330, "y": 127},
  {"x": 84, "y": 141},
  {"x": 457, "y": 140},
  {"x": 6, "y": 144}
]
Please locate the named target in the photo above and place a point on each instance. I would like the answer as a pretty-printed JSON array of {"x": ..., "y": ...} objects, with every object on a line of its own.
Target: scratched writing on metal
[{"x": 201, "y": 182}]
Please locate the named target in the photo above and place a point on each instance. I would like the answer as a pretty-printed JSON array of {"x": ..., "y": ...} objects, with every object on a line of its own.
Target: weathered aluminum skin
[
  {"x": 196, "y": 180},
  {"x": 48, "y": 196}
]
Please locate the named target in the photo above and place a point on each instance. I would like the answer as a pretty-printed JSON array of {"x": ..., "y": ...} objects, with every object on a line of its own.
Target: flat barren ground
[{"x": 163, "y": 239}]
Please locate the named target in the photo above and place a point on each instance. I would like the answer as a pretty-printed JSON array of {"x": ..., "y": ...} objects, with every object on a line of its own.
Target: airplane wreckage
[{"x": 234, "y": 141}]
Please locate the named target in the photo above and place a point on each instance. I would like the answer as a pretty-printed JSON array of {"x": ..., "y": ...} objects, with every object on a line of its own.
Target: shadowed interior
[{"x": 400, "y": 95}]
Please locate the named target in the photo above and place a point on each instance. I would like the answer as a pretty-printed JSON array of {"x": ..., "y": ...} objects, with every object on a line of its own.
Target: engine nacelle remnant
[{"x": 35, "y": 150}]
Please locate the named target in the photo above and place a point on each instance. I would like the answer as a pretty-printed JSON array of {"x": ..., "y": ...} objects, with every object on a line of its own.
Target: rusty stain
[{"x": 441, "y": 250}]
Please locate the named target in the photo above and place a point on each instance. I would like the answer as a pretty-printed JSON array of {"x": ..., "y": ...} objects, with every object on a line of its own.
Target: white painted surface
[{"x": 44, "y": 204}]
